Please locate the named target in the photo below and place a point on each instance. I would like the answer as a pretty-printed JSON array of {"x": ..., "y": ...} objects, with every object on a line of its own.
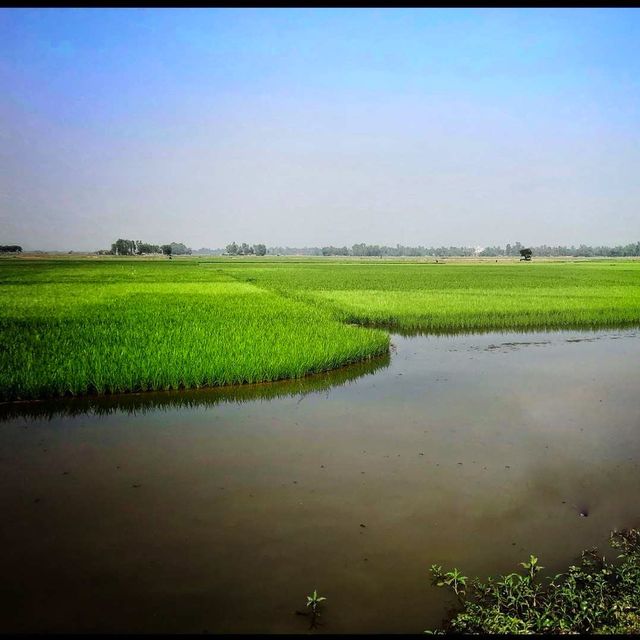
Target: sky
[{"x": 310, "y": 127}]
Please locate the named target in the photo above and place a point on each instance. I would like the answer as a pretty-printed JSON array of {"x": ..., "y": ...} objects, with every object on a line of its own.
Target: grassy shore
[{"x": 77, "y": 326}]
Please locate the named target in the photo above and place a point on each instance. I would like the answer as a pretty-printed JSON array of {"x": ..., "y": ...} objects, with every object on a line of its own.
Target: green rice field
[
  {"x": 462, "y": 297},
  {"x": 81, "y": 326}
]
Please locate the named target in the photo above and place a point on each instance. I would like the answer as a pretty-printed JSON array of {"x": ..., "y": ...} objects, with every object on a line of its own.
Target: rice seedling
[
  {"x": 169, "y": 400},
  {"x": 77, "y": 328},
  {"x": 431, "y": 298},
  {"x": 73, "y": 327},
  {"x": 313, "y": 602}
]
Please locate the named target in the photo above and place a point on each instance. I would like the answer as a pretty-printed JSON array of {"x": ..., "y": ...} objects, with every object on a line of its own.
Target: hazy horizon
[{"x": 312, "y": 127}]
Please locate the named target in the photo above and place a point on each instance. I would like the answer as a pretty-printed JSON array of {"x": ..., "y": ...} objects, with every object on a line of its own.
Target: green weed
[{"x": 594, "y": 596}]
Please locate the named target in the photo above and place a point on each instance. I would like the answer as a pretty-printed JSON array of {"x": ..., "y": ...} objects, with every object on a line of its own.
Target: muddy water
[{"x": 220, "y": 511}]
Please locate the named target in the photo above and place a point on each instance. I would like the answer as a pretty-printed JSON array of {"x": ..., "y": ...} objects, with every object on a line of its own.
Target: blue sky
[{"x": 310, "y": 127}]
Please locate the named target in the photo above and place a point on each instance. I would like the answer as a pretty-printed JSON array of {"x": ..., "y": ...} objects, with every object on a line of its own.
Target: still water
[{"x": 220, "y": 510}]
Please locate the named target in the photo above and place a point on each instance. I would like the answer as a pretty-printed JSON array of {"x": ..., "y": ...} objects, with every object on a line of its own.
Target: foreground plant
[
  {"x": 452, "y": 579},
  {"x": 313, "y": 601},
  {"x": 594, "y": 596}
]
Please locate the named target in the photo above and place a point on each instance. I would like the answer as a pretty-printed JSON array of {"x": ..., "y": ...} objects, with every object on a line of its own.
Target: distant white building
[{"x": 478, "y": 250}]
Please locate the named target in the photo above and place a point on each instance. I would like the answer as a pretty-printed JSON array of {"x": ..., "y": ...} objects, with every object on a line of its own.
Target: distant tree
[
  {"x": 146, "y": 248},
  {"x": 179, "y": 249},
  {"x": 335, "y": 251},
  {"x": 260, "y": 249},
  {"x": 10, "y": 248},
  {"x": 628, "y": 250},
  {"x": 167, "y": 249},
  {"x": 584, "y": 251},
  {"x": 525, "y": 254},
  {"x": 492, "y": 252},
  {"x": 123, "y": 247}
]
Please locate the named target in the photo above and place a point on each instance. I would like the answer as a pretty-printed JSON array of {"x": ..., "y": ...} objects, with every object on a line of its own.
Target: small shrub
[{"x": 594, "y": 596}]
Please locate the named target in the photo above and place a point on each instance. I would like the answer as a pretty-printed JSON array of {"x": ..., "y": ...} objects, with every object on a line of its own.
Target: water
[{"x": 222, "y": 510}]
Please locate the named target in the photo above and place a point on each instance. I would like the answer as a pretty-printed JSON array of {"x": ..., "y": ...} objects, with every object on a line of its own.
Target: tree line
[
  {"x": 244, "y": 249},
  {"x": 583, "y": 251},
  {"x": 375, "y": 250},
  {"x": 628, "y": 250},
  {"x": 122, "y": 247}
]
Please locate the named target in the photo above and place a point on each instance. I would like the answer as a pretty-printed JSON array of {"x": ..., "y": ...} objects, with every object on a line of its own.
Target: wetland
[{"x": 220, "y": 509}]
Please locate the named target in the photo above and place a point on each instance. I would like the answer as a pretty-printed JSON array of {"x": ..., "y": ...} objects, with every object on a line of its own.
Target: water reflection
[
  {"x": 221, "y": 510},
  {"x": 142, "y": 403},
  {"x": 560, "y": 328}
]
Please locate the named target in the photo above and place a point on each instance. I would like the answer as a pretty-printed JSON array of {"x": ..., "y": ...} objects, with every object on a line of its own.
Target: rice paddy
[
  {"x": 74, "y": 327},
  {"x": 107, "y": 327},
  {"x": 451, "y": 298}
]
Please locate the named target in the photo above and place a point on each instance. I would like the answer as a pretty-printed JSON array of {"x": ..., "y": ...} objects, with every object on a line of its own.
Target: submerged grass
[{"x": 73, "y": 327}]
